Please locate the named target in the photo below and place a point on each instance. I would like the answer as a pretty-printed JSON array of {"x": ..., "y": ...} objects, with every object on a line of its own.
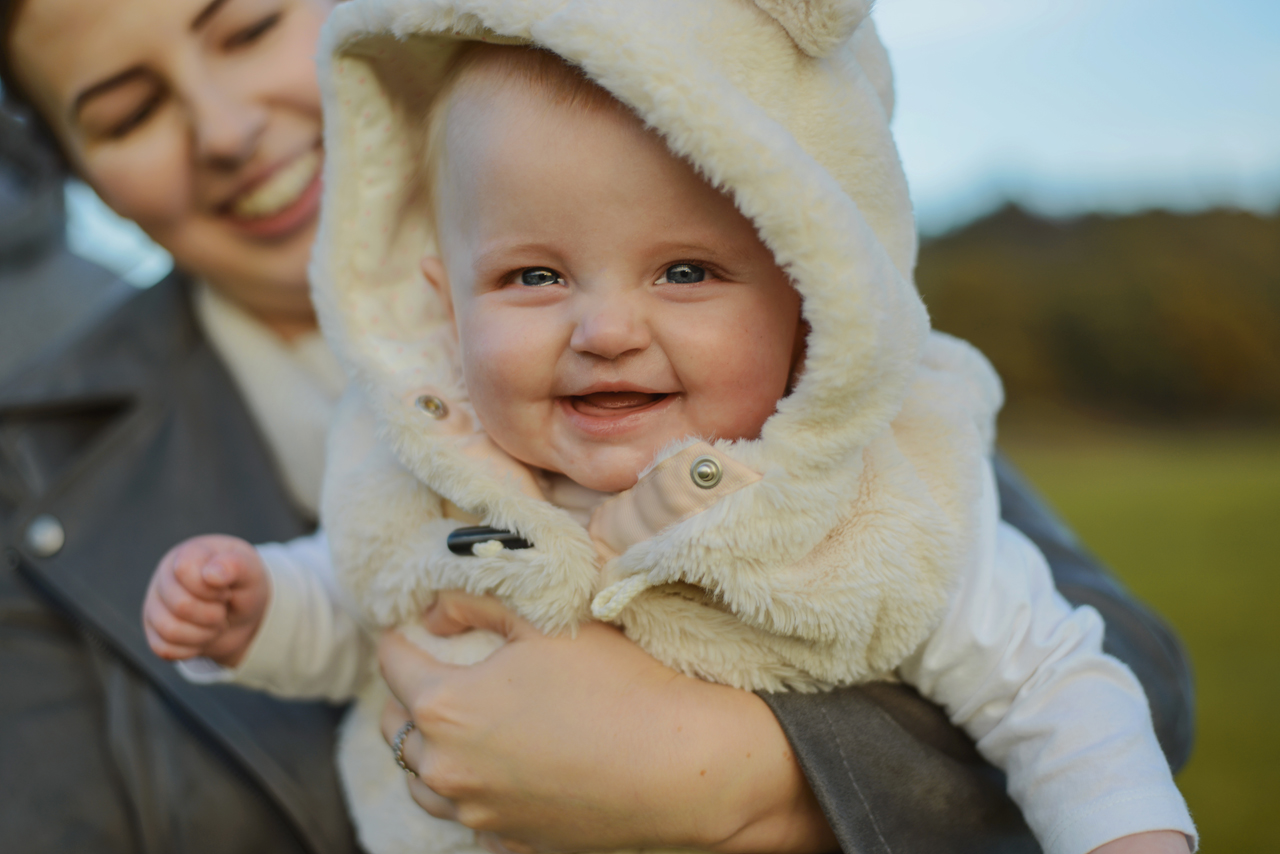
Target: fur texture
[
  {"x": 817, "y": 26},
  {"x": 834, "y": 564}
]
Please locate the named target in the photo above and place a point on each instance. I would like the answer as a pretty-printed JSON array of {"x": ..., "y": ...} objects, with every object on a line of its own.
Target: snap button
[
  {"x": 45, "y": 536},
  {"x": 706, "y": 472},
  {"x": 432, "y": 405}
]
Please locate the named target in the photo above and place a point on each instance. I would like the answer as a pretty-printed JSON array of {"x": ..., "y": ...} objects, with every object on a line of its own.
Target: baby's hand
[{"x": 207, "y": 597}]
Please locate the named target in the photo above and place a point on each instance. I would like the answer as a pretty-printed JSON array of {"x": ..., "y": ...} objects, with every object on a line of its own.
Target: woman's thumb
[{"x": 455, "y": 612}]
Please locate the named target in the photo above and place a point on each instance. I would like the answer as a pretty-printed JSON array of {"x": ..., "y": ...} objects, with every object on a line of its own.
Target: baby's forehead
[
  {"x": 487, "y": 88},
  {"x": 484, "y": 70},
  {"x": 530, "y": 146}
]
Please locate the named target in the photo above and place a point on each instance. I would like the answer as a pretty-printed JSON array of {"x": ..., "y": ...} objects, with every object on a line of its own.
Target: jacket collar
[
  {"x": 120, "y": 355},
  {"x": 132, "y": 440}
]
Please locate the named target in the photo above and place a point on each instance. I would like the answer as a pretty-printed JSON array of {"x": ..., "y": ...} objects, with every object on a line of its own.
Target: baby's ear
[
  {"x": 434, "y": 272},
  {"x": 817, "y": 26}
]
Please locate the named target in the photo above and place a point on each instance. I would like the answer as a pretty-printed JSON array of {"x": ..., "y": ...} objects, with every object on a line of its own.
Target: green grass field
[{"x": 1191, "y": 523}]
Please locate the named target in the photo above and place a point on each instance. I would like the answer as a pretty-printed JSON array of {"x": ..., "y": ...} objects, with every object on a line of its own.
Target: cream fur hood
[{"x": 829, "y": 556}]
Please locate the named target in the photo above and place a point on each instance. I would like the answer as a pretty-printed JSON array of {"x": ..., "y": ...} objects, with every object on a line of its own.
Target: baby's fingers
[
  {"x": 187, "y": 605},
  {"x": 189, "y": 567},
  {"x": 171, "y": 637},
  {"x": 169, "y": 651}
]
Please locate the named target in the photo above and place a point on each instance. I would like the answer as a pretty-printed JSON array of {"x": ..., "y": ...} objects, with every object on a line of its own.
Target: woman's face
[{"x": 197, "y": 119}]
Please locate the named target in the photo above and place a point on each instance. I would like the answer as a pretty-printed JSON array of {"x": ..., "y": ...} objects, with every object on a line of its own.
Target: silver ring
[{"x": 397, "y": 746}]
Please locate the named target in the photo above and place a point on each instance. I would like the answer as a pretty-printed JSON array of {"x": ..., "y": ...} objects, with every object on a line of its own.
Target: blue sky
[
  {"x": 1076, "y": 105},
  {"x": 1067, "y": 106}
]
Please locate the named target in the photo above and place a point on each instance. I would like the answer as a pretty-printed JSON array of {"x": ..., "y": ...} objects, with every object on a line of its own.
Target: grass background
[
  {"x": 1172, "y": 321},
  {"x": 1190, "y": 521}
]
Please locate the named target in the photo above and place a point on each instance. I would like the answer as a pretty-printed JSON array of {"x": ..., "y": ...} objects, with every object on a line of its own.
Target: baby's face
[{"x": 608, "y": 301}]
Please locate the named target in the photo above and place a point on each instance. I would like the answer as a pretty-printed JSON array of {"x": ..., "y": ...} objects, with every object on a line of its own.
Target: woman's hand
[{"x": 559, "y": 744}]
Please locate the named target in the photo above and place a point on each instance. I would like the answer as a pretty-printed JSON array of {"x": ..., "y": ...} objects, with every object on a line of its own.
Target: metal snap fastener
[
  {"x": 432, "y": 405},
  {"x": 706, "y": 472},
  {"x": 45, "y": 536}
]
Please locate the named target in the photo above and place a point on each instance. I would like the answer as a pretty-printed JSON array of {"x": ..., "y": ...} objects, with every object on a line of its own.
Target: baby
[{"x": 669, "y": 371}]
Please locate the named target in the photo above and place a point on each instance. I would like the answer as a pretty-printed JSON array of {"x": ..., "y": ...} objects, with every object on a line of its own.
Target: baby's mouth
[{"x": 604, "y": 404}]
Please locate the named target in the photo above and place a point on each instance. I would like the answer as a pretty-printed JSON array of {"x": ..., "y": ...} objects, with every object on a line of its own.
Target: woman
[{"x": 199, "y": 406}]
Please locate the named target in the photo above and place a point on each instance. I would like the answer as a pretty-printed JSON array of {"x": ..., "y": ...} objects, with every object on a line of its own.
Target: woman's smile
[
  {"x": 286, "y": 200},
  {"x": 198, "y": 120}
]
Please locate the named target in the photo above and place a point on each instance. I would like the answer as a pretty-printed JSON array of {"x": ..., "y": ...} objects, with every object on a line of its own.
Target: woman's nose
[
  {"x": 609, "y": 328},
  {"x": 226, "y": 128}
]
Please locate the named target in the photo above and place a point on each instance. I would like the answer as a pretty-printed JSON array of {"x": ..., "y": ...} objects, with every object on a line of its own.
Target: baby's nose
[{"x": 609, "y": 329}]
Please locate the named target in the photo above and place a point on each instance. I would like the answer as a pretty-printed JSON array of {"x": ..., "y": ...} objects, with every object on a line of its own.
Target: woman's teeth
[{"x": 285, "y": 186}]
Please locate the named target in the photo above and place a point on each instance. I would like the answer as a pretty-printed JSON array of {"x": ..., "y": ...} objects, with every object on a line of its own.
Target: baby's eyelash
[
  {"x": 686, "y": 273},
  {"x": 537, "y": 277}
]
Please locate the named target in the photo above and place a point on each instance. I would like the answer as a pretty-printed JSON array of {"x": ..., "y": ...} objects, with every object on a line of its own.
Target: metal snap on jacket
[
  {"x": 432, "y": 405},
  {"x": 45, "y": 536},
  {"x": 706, "y": 472}
]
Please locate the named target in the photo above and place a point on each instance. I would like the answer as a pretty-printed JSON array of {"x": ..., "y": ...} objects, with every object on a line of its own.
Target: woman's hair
[
  {"x": 479, "y": 68},
  {"x": 8, "y": 13},
  {"x": 13, "y": 100}
]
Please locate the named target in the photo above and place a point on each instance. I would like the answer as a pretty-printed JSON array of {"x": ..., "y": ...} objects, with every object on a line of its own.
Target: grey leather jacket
[{"x": 133, "y": 438}]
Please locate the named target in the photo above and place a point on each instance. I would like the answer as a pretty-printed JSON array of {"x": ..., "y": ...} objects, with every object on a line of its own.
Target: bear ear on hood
[{"x": 817, "y": 26}]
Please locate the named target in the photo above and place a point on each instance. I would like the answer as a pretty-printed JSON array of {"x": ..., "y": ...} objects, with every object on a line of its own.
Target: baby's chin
[
  {"x": 605, "y": 470},
  {"x": 604, "y": 479}
]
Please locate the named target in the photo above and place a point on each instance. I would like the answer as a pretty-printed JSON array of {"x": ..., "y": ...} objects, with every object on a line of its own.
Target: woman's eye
[
  {"x": 536, "y": 277},
  {"x": 136, "y": 118},
  {"x": 253, "y": 33},
  {"x": 684, "y": 274}
]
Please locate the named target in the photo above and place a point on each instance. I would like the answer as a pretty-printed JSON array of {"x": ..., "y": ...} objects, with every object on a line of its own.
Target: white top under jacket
[
  {"x": 291, "y": 389},
  {"x": 1012, "y": 663}
]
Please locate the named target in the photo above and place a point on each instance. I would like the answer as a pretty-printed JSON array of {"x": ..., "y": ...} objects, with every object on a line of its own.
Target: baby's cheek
[
  {"x": 490, "y": 352},
  {"x": 738, "y": 395},
  {"x": 504, "y": 377},
  {"x": 764, "y": 376}
]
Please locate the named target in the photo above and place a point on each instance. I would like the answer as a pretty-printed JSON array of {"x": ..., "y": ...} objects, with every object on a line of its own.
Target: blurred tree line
[{"x": 1155, "y": 315}]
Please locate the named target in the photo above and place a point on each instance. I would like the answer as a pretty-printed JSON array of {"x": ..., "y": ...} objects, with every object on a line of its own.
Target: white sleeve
[
  {"x": 308, "y": 646},
  {"x": 1023, "y": 673}
]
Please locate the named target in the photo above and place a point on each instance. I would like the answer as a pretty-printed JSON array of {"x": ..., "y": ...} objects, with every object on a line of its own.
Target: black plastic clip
[{"x": 461, "y": 540}]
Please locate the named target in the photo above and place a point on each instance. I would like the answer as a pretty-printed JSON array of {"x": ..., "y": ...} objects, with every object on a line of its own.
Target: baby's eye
[
  {"x": 536, "y": 277},
  {"x": 684, "y": 274}
]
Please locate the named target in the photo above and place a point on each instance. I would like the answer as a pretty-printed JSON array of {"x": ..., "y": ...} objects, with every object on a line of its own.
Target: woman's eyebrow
[
  {"x": 203, "y": 16},
  {"x": 104, "y": 86}
]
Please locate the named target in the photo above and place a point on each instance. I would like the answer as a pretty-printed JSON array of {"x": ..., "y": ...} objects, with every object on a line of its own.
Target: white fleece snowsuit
[{"x": 856, "y": 539}]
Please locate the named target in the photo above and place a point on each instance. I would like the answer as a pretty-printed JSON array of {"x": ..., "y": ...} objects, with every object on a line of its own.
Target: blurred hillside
[
  {"x": 1155, "y": 316},
  {"x": 1114, "y": 335}
]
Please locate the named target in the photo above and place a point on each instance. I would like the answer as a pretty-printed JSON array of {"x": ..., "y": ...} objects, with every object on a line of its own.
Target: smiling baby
[{"x": 667, "y": 369}]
